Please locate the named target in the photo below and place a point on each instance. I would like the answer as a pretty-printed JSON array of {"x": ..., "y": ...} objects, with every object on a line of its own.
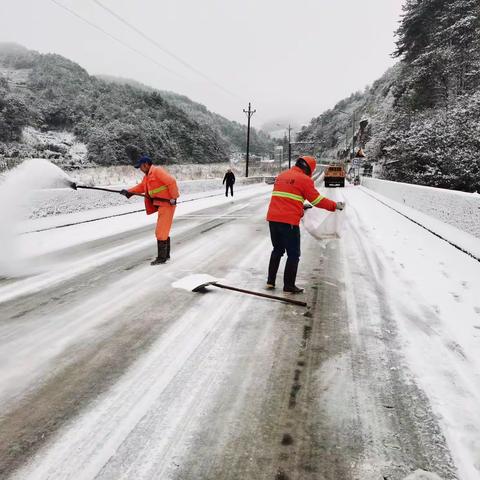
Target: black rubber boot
[
  {"x": 272, "y": 270},
  {"x": 162, "y": 253},
  {"x": 289, "y": 277},
  {"x": 168, "y": 248}
]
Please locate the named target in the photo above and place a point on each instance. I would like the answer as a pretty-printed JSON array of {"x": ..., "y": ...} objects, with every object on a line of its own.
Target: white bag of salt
[{"x": 322, "y": 224}]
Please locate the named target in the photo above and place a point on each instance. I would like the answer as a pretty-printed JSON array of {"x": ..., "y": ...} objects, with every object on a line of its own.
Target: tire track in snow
[
  {"x": 127, "y": 403},
  {"x": 94, "y": 311}
]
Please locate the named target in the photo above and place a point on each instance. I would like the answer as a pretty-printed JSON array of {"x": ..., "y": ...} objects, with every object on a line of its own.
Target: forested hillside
[
  {"x": 421, "y": 120},
  {"x": 233, "y": 132},
  {"x": 49, "y": 92}
]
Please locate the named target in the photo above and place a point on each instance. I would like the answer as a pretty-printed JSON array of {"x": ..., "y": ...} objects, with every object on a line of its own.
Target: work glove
[
  {"x": 126, "y": 193},
  {"x": 172, "y": 201},
  {"x": 340, "y": 205},
  {"x": 307, "y": 206}
]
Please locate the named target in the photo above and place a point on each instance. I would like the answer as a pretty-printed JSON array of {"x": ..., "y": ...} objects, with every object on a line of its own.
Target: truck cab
[{"x": 334, "y": 176}]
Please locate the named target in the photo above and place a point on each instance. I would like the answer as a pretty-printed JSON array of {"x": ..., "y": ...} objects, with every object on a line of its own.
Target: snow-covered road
[{"x": 108, "y": 372}]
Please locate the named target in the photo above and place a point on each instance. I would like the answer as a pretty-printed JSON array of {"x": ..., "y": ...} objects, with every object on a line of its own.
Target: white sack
[{"x": 322, "y": 224}]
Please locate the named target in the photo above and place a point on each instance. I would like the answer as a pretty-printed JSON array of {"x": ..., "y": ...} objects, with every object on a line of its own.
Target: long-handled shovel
[
  {"x": 76, "y": 187},
  {"x": 198, "y": 283}
]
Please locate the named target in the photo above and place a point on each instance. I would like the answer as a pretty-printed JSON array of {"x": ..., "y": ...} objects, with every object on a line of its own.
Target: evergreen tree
[{"x": 439, "y": 41}]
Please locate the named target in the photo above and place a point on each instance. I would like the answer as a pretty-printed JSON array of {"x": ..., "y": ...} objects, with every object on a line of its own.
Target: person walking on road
[
  {"x": 292, "y": 187},
  {"x": 229, "y": 179},
  {"x": 161, "y": 193}
]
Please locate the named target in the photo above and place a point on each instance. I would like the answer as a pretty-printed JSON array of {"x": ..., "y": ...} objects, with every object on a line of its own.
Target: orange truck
[{"x": 334, "y": 176}]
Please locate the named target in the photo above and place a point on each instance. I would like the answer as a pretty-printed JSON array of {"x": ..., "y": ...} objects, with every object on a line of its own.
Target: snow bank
[
  {"x": 460, "y": 239},
  {"x": 459, "y": 209}
]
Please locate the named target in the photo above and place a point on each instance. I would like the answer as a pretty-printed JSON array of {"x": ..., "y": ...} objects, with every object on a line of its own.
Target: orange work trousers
[{"x": 164, "y": 221}]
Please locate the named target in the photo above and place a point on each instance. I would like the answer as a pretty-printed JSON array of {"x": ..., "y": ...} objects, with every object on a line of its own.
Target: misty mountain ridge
[{"x": 49, "y": 92}]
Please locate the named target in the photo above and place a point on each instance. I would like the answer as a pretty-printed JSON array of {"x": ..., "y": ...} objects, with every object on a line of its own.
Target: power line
[
  {"x": 138, "y": 52},
  {"x": 163, "y": 49}
]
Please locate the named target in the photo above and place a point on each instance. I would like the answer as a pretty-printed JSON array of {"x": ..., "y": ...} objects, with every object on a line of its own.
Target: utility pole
[
  {"x": 353, "y": 135},
  {"x": 249, "y": 113},
  {"x": 289, "y": 147}
]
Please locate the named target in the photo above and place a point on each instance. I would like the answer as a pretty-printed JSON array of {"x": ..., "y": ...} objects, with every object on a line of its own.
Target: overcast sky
[{"x": 291, "y": 59}]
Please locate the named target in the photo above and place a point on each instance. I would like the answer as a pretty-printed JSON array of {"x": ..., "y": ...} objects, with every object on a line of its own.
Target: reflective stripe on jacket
[
  {"x": 291, "y": 189},
  {"x": 158, "y": 183}
]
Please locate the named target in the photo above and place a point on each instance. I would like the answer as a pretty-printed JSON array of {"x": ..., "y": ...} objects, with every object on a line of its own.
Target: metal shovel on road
[{"x": 198, "y": 283}]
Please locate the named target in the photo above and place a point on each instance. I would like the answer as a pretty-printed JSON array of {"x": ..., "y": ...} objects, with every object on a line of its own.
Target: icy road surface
[{"x": 108, "y": 372}]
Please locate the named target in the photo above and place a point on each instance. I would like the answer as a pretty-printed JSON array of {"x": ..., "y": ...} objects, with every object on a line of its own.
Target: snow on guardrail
[
  {"x": 459, "y": 239},
  {"x": 458, "y": 209}
]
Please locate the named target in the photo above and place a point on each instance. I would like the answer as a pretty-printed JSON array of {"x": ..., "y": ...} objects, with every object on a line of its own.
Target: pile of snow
[
  {"x": 17, "y": 191},
  {"x": 459, "y": 209}
]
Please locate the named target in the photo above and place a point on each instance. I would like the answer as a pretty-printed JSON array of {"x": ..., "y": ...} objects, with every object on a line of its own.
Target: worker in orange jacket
[
  {"x": 291, "y": 189},
  {"x": 161, "y": 193}
]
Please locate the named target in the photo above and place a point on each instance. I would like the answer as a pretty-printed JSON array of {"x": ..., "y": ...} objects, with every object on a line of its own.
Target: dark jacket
[{"x": 229, "y": 178}]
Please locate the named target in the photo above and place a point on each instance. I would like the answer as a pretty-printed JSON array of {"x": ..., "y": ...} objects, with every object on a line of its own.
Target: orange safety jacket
[
  {"x": 290, "y": 190},
  {"x": 158, "y": 183}
]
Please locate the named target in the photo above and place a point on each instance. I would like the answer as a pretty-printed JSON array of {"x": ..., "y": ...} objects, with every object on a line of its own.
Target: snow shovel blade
[{"x": 197, "y": 283}]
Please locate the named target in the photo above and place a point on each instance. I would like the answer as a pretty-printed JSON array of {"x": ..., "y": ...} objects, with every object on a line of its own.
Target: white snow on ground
[
  {"x": 39, "y": 243},
  {"x": 26, "y": 192},
  {"x": 80, "y": 320},
  {"x": 97, "y": 435},
  {"x": 462, "y": 239},
  {"x": 429, "y": 288},
  {"x": 422, "y": 475},
  {"x": 432, "y": 291},
  {"x": 50, "y": 202},
  {"x": 459, "y": 209}
]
